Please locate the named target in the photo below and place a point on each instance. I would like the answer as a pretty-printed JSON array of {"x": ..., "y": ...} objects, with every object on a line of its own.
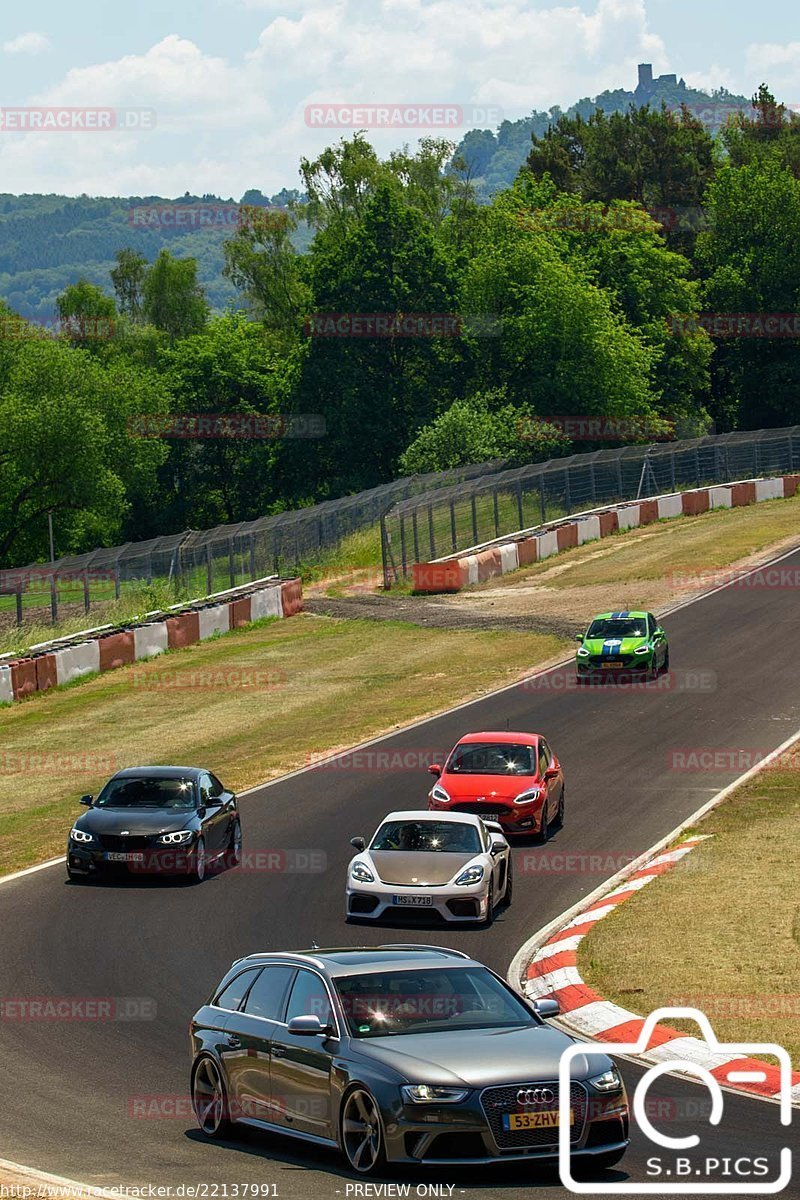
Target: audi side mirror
[
  {"x": 309, "y": 1026},
  {"x": 546, "y": 1008},
  {"x": 87, "y": 800},
  {"x": 359, "y": 843}
]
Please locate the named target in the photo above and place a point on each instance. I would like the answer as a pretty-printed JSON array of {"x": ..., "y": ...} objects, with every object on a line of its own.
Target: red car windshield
[{"x": 492, "y": 758}]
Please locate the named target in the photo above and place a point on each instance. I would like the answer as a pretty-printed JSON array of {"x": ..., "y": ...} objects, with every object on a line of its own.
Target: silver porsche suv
[{"x": 401, "y": 1053}]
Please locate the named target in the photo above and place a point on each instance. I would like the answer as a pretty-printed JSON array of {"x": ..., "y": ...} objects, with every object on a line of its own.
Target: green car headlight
[
  {"x": 642, "y": 650},
  {"x": 583, "y": 653}
]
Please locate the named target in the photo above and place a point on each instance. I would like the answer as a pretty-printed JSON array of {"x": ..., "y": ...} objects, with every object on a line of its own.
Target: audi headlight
[
  {"x": 527, "y": 797},
  {"x": 642, "y": 650},
  {"x": 438, "y": 793},
  {"x": 470, "y": 875},
  {"x": 79, "y": 835},
  {"x": 362, "y": 873},
  {"x": 609, "y": 1081},
  {"x": 179, "y": 838},
  {"x": 426, "y": 1093},
  {"x": 583, "y": 653}
]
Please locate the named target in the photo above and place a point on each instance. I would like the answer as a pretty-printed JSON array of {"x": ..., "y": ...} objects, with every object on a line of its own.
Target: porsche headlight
[
  {"x": 438, "y": 793},
  {"x": 80, "y": 835},
  {"x": 361, "y": 873},
  {"x": 426, "y": 1093},
  {"x": 470, "y": 875},
  {"x": 179, "y": 838},
  {"x": 609, "y": 1081}
]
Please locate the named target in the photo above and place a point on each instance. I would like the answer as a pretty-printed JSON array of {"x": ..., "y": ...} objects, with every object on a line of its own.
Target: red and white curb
[{"x": 552, "y": 973}]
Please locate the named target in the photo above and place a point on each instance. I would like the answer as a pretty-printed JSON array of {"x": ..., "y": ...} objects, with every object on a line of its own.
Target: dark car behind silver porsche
[
  {"x": 156, "y": 820},
  {"x": 402, "y": 1054}
]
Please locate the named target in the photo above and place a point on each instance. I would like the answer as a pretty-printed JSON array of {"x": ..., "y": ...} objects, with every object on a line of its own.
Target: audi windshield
[{"x": 428, "y": 1001}]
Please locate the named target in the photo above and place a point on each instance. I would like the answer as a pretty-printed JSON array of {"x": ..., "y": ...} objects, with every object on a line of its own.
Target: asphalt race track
[{"x": 70, "y": 1088}]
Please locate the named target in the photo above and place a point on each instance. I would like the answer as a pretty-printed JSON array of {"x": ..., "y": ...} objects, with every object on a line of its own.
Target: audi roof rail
[{"x": 424, "y": 947}]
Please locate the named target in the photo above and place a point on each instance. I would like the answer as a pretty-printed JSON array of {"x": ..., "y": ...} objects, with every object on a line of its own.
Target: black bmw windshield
[
  {"x": 147, "y": 793},
  {"x": 428, "y": 1001}
]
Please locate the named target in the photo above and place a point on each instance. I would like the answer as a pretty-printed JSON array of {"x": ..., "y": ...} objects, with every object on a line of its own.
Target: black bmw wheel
[
  {"x": 362, "y": 1132},
  {"x": 198, "y": 862},
  {"x": 233, "y": 857}
]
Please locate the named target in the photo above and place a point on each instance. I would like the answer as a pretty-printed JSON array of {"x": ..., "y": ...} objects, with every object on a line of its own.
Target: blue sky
[{"x": 230, "y": 80}]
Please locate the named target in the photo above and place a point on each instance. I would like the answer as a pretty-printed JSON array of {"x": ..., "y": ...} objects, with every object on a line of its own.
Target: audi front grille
[{"x": 496, "y": 1101}]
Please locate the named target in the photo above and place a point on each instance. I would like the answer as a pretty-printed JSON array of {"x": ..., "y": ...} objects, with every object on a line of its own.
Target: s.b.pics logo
[{"x": 683, "y": 1161}]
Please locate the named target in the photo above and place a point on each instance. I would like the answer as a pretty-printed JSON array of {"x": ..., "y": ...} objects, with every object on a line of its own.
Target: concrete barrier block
[
  {"x": 470, "y": 563},
  {"x": 628, "y": 516},
  {"x": 509, "y": 558},
  {"x": 74, "y": 661},
  {"x": 46, "y": 673},
  {"x": 214, "y": 620},
  {"x": 669, "y": 506},
  {"x": 547, "y": 544},
  {"x": 6, "y": 686},
  {"x": 609, "y": 523},
  {"x": 150, "y": 640},
  {"x": 720, "y": 497},
  {"x": 489, "y": 566},
  {"x": 648, "y": 512},
  {"x": 266, "y": 602},
  {"x": 292, "y": 597},
  {"x": 527, "y": 550},
  {"x": 695, "y": 503},
  {"x": 743, "y": 493},
  {"x": 117, "y": 650},
  {"x": 23, "y": 677},
  {"x": 790, "y": 485},
  {"x": 183, "y": 630},
  {"x": 588, "y": 529},
  {"x": 437, "y": 577},
  {"x": 567, "y": 536},
  {"x": 771, "y": 489},
  {"x": 240, "y": 612}
]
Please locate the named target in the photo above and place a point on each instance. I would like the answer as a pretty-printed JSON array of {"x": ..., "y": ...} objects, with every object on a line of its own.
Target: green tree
[
  {"x": 172, "y": 298},
  {"x": 261, "y": 261},
  {"x": 128, "y": 279}
]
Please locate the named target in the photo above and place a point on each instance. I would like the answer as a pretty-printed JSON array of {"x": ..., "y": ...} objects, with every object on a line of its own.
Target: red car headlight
[{"x": 527, "y": 797}]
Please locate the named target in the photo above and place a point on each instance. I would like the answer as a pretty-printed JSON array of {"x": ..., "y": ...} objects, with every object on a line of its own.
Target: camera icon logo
[{"x": 713, "y": 1050}]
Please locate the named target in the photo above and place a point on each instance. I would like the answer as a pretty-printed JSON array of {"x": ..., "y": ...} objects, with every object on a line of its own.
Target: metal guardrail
[{"x": 446, "y": 520}]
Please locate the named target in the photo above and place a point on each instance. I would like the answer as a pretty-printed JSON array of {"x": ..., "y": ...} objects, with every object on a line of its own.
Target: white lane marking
[
  {"x": 90, "y": 1188},
  {"x": 51, "y": 862}
]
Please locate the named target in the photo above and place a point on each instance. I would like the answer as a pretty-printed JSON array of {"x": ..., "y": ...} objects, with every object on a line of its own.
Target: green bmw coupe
[{"x": 622, "y": 642}]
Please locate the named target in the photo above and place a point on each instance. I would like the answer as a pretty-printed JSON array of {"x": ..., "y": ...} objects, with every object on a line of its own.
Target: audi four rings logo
[{"x": 538, "y": 1095}]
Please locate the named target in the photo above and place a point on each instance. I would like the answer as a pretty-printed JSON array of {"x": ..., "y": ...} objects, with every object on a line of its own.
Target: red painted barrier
[
  {"x": 790, "y": 485},
  {"x": 23, "y": 677},
  {"x": 117, "y": 650},
  {"x": 526, "y": 550},
  {"x": 648, "y": 512},
  {"x": 567, "y": 537},
  {"x": 46, "y": 676},
  {"x": 743, "y": 493},
  {"x": 437, "y": 577},
  {"x": 183, "y": 630},
  {"x": 694, "y": 503},
  {"x": 489, "y": 564},
  {"x": 609, "y": 523},
  {"x": 240, "y": 612},
  {"x": 292, "y": 597}
]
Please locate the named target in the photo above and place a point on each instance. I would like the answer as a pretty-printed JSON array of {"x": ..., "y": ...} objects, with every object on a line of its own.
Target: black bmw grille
[
  {"x": 499, "y": 1100},
  {"x": 113, "y": 841}
]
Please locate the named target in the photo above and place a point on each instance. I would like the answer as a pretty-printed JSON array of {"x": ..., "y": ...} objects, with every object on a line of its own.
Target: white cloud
[
  {"x": 225, "y": 125},
  {"x": 27, "y": 43}
]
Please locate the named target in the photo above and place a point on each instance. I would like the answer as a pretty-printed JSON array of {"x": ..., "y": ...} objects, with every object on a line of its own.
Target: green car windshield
[{"x": 618, "y": 627}]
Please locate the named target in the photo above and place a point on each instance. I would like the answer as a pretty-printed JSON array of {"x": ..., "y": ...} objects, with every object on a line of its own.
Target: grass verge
[
  {"x": 250, "y": 705},
  {"x": 721, "y": 931}
]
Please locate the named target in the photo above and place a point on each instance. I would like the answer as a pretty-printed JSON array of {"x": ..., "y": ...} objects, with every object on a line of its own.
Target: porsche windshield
[
  {"x": 490, "y": 758},
  {"x": 443, "y": 837},
  {"x": 147, "y": 793},
  {"x": 428, "y": 1001},
  {"x": 618, "y": 627}
]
